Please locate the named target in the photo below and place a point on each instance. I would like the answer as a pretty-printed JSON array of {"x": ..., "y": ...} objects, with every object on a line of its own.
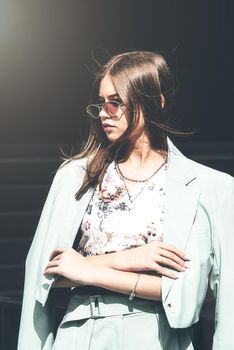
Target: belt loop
[
  {"x": 94, "y": 306},
  {"x": 158, "y": 307}
]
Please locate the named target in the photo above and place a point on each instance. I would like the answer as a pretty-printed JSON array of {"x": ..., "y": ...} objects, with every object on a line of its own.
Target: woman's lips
[{"x": 108, "y": 127}]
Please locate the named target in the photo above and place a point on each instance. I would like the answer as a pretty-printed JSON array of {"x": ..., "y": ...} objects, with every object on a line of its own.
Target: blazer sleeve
[
  {"x": 30, "y": 335},
  {"x": 222, "y": 274}
]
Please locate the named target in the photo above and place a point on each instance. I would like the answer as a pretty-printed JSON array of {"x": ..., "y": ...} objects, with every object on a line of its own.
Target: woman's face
[{"x": 114, "y": 126}]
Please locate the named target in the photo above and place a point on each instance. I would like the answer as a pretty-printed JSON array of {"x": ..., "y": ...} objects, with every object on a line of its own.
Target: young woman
[{"x": 153, "y": 228}]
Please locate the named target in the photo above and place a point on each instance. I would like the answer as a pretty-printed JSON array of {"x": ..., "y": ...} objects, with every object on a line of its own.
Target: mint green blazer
[{"x": 199, "y": 218}]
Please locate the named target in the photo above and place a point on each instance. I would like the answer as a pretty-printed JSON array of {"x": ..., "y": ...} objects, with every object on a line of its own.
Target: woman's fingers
[
  {"x": 173, "y": 257},
  {"x": 57, "y": 251},
  {"x": 165, "y": 257},
  {"x": 171, "y": 263},
  {"x": 51, "y": 271},
  {"x": 57, "y": 257},
  {"x": 53, "y": 263},
  {"x": 173, "y": 249},
  {"x": 165, "y": 272},
  {"x": 52, "y": 267}
]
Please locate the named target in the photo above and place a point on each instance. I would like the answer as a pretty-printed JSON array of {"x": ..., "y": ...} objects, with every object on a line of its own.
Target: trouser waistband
[{"x": 96, "y": 306}]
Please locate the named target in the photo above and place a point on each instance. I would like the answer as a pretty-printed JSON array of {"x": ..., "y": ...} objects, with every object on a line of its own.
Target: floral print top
[{"x": 112, "y": 222}]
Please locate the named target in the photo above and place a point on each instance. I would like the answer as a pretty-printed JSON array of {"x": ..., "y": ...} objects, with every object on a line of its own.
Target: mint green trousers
[{"x": 112, "y": 322}]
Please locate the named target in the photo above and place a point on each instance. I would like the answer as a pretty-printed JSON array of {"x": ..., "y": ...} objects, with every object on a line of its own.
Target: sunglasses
[{"x": 110, "y": 107}]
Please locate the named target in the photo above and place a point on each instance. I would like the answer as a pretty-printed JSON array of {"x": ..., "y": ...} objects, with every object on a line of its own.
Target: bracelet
[{"x": 132, "y": 295}]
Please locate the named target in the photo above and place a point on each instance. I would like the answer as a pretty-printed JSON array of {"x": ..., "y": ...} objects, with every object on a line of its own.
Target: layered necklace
[{"x": 145, "y": 182}]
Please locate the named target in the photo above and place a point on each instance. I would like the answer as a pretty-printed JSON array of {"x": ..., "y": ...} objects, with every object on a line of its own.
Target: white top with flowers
[{"x": 112, "y": 222}]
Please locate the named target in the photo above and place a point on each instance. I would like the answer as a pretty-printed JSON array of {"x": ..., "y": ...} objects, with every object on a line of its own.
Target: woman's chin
[{"x": 112, "y": 137}]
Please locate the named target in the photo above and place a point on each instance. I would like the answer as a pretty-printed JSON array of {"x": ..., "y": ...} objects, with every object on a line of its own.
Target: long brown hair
[{"x": 140, "y": 78}]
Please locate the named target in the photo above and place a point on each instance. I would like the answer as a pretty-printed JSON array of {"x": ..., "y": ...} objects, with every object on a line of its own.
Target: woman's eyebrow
[{"x": 110, "y": 96}]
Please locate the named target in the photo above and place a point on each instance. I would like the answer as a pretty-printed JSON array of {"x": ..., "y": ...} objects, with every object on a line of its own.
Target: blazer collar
[
  {"x": 182, "y": 196},
  {"x": 180, "y": 167}
]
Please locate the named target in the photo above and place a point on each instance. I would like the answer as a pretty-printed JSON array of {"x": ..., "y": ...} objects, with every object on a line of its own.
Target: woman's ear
[{"x": 162, "y": 101}]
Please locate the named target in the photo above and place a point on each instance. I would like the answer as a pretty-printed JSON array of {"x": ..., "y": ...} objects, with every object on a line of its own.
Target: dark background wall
[
  {"x": 46, "y": 64},
  {"x": 46, "y": 72}
]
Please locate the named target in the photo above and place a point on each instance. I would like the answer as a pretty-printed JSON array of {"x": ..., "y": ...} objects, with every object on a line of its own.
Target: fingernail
[
  {"x": 187, "y": 257},
  {"x": 175, "y": 275}
]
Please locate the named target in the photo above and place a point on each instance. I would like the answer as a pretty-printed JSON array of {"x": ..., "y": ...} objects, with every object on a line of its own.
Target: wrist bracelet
[{"x": 132, "y": 295}]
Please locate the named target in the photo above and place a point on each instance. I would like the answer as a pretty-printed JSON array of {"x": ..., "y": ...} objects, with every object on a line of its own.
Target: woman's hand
[
  {"x": 154, "y": 256},
  {"x": 70, "y": 264}
]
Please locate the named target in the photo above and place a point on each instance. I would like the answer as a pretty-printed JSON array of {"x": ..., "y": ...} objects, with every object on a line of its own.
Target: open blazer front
[{"x": 199, "y": 214}]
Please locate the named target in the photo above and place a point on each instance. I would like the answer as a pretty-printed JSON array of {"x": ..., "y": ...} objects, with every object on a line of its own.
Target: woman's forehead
[{"x": 107, "y": 88}]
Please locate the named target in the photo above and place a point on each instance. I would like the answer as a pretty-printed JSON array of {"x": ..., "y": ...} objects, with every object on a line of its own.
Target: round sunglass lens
[
  {"x": 93, "y": 111},
  {"x": 111, "y": 107}
]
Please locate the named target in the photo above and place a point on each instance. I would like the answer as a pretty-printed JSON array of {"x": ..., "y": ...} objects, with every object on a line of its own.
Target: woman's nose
[{"x": 103, "y": 114}]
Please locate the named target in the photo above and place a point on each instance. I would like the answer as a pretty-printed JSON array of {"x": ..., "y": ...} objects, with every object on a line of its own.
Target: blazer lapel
[
  {"x": 180, "y": 204},
  {"x": 62, "y": 232},
  {"x": 73, "y": 220}
]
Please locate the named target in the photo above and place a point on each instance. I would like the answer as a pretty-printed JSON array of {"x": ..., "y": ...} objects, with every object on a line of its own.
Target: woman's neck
[{"x": 141, "y": 153}]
